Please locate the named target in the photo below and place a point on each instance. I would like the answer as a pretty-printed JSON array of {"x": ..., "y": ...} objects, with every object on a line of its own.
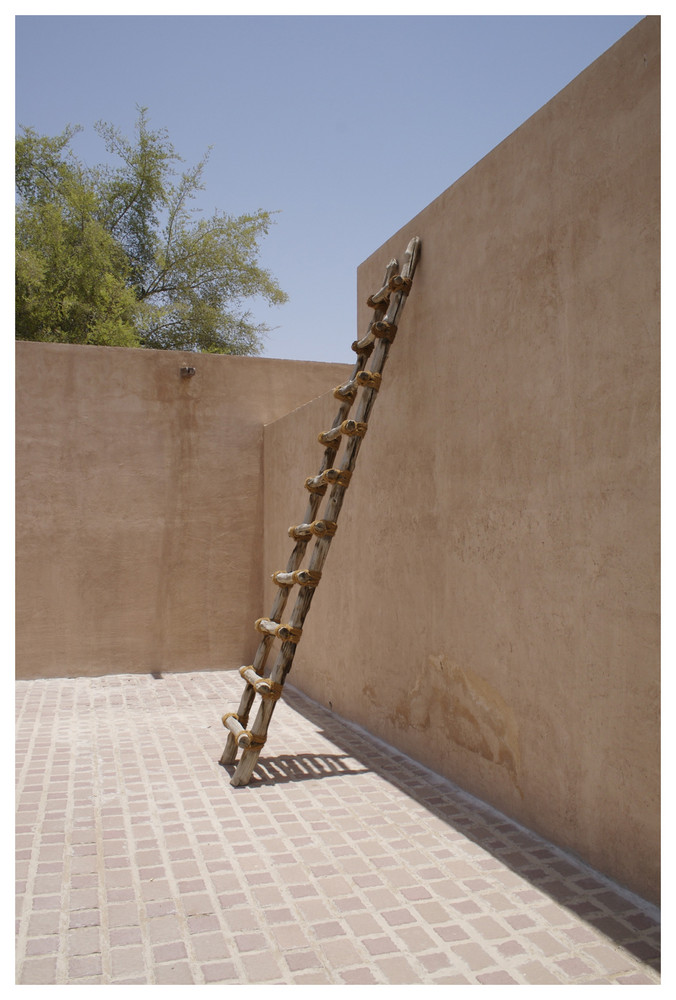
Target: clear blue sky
[{"x": 348, "y": 125}]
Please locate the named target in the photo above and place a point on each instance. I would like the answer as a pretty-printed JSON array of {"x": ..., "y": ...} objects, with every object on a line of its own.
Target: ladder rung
[
  {"x": 379, "y": 299},
  {"x": 330, "y": 477},
  {"x": 351, "y": 428},
  {"x": 318, "y": 528},
  {"x": 287, "y": 633},
  {"x": 303, "y": 577},
  {"x": 264, "y": 686},
  {"x": 346, "y": 392},
  {"x": 331, "y": 437},
  {"x": 242, "y": 735}
]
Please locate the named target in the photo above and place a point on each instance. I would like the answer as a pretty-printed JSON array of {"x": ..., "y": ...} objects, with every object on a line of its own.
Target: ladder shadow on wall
[{"x": 628, "y": 921}]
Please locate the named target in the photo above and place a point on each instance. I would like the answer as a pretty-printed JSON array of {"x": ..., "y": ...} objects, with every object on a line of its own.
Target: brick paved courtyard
[{"x": 343, "y": 862}]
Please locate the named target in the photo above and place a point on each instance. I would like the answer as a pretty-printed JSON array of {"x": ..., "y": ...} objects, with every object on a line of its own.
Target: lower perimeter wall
[
  {"x": 139, "y": 503},
  {"x": 490, "y": 603}
]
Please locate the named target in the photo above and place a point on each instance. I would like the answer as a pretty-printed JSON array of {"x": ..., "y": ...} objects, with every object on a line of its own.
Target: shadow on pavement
[{"x": 630, "y": 922}]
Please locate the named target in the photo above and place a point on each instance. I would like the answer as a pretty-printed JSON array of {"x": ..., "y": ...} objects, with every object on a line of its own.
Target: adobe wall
[
  {"x": 490, "y": 602},
  {"x": 139, "y": 505}
]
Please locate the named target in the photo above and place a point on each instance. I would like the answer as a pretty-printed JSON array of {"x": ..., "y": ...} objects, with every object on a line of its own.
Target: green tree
[{"x": 117, "y": 254}]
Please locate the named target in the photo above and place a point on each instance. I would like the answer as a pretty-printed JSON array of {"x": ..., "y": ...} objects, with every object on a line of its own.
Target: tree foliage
[{"x": 117, "y": 254}]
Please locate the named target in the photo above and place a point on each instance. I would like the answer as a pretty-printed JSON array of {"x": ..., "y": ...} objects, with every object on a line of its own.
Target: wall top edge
[{"x": 149, "y": 352}]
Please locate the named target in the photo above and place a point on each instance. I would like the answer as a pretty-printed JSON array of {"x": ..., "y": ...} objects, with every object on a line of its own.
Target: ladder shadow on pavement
[
  {"x": 300, "y": 767},
  {"x": 624, "y": 918}
]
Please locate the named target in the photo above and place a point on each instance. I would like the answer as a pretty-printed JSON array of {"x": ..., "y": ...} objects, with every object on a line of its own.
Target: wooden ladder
[{"x": 387, "y": 303}]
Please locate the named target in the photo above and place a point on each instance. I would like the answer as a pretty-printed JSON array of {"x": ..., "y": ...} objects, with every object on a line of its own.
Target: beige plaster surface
[
  {"x": 139, "y": 505},
  {"x": 490, "y": 604}
]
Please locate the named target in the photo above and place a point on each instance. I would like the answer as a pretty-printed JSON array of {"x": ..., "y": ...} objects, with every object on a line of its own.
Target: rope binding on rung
[
  {"x": 272, "y": 693},
  {"x": 363, "y": 350},
  {"x": 353, "y": 428},
  {"x": 384, "y": 329},
  {"x": 369, "y": 380},
  {"x": 345, "y": 392},
  {"x": 313, "y": 486},
  {"x": 398, "y": 283}
]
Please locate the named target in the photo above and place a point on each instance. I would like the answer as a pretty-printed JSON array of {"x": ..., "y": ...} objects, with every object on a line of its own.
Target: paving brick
[
  {"x": 416, "y": 892},
  {"x": 127, "y": 961},
  {"x": 398, "y": 971},
  {"x": 349, "y": 904},
  {"x": 241, "y": 919},
  {"x": 85, "y": 918},
  {"x": 314, "y": 910},
  {"x": 434, "y": 961},
  {"x": 508, "y": 949},
  {"x": 431, "y": 913},
  {"x": 302, "y": 960},
  {"x": 488, "y": 928},
  {"x": 125, "y": 935},
  {"x": 574, "y": 968},
  {"x": 332, "y": 928},
  {"x": 125, "y": 915},
  {"x": 380, "y": 945},
  {"x": 358, "y": 977},
  {"x": 86, "y": 965},
  {"x": 219, "y": 972},
  {"x": 341, "y": 952},
  {"x": 396, "y": 918},
  {"x": 169, "y": 952},
  {"x": 84, "y": 941},
  {"x": 162, "y": 929},
  {"x": 474, "y": 956},
  {"x": 44, "y": 923},
  {"x": 174, "y": 974},
  {"x": 537, "y": 974},
  {"x": 43, "y": 946},
  {"x": 38, "y": 972},
  {"x": 250, "y": 942},
  {"x": 610, "y": 960},
  {"x": 416, "y": 938},
  {"x": 290, "y": 936},
  {"x": 501, "y": 978},
  {"x": 545, "y": 942},
  {"x": 452, "y": 932}
]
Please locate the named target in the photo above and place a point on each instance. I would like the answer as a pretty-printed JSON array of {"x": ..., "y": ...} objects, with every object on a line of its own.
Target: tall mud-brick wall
[
  {"x": 490, "y": 603},
  {"x": 140, "y": 505}
]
